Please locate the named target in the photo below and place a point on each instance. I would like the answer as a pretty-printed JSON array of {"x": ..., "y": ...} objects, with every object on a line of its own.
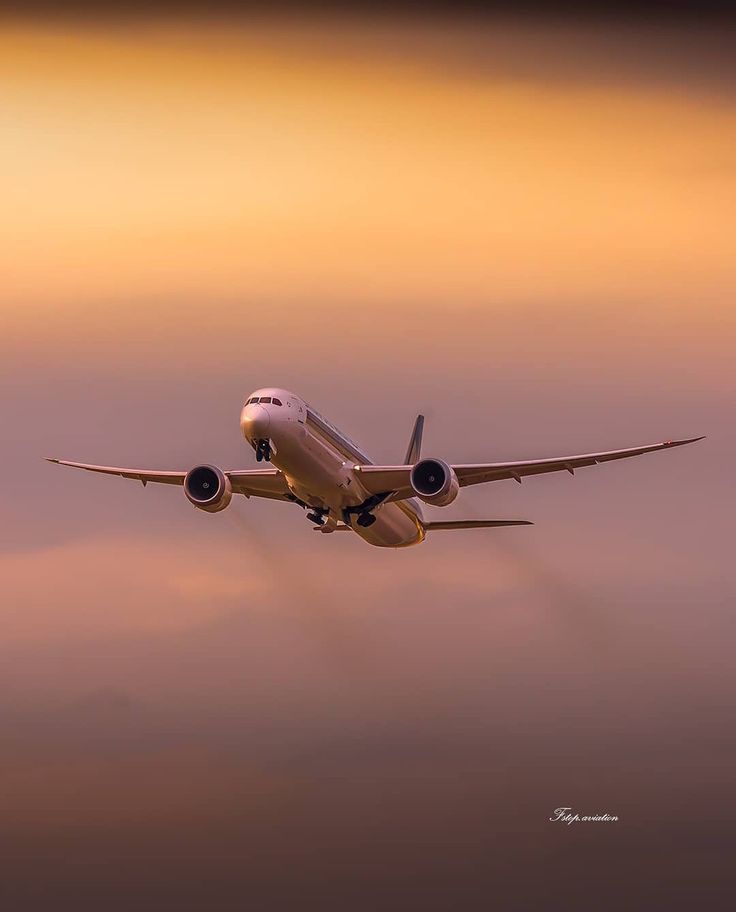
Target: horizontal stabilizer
[{"x": 475, "y": 523}]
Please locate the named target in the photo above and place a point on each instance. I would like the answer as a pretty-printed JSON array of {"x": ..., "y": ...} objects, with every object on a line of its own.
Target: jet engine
[
  {"x": 434, "y": 482},
  {"x": 208, "y": 488}
]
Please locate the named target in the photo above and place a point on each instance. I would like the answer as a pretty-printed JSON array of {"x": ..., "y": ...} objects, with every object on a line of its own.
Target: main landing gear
[
  {"x": 365, "y": 517},
  {"x": 363, "y": 511},
  {"x": 318, "y": 516},
  {"x": 263, "y": 451}
]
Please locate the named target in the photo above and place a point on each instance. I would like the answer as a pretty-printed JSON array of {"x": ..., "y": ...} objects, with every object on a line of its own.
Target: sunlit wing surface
[
  {"x": 453, "y": 524},
  {"x": 144, "y": 475},
  {"x": 382, "y": 479},
  {"x": 250, "y": 482},
  {"x": 260, "y": 483}
]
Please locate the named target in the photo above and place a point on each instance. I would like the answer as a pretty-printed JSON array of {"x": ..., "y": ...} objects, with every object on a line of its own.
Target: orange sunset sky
[{"x": 522, "y": 227}]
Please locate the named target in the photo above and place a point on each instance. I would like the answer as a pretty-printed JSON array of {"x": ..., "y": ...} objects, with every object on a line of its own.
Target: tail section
[
  {"x": 415, "y": 442},
  {"x": 475, "y": 524}
]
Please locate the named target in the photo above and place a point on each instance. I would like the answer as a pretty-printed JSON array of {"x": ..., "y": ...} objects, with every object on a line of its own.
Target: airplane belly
[
  {"x": 393, "y": 528},
  {"x": 321, "y": 476},
  {"x": 313, "y": 470}
]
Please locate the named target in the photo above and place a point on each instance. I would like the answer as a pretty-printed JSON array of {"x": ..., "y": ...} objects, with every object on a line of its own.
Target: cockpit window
[
  {"x": 253, "y": 400},
  {"x": 277, "y": 401},
  {"x": 265, "y": 398}
]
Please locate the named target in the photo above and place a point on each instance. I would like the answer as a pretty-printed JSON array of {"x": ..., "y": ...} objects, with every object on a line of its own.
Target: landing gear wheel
[
  {"x": 317, "y": 518},
  {"x": 366, "y": 519},
  {"x": 263, "y": 451}
]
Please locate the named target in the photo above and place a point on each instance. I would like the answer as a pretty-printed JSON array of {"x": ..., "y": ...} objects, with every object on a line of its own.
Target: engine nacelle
[
  {"x": 208, "y": 488},
  {"x": 434, "y": 482}
]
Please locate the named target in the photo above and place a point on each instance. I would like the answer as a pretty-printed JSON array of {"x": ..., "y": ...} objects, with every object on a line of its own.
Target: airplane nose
[{"x": 255, "y": 422}]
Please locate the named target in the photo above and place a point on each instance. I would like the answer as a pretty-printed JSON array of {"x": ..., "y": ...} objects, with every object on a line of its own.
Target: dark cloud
[{"x": 662, "y": 10}]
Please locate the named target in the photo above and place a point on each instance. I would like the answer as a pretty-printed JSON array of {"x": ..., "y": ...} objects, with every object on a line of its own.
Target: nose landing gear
[
  {"x": 263, "y": 451},
  {"x": 366, "y": 519}
]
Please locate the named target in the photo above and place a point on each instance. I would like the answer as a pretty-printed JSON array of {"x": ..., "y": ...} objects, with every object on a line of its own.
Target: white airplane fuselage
[{"x": 317, "y": 461}]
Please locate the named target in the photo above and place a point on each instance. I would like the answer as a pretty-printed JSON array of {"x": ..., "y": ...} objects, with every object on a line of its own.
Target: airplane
[{"x": 317, "y": 467}]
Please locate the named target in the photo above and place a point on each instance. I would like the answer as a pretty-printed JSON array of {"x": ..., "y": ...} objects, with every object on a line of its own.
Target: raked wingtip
[{"x": 691, "y": 439}]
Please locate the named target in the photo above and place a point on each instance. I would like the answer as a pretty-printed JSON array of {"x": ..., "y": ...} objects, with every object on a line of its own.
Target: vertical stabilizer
[{"x": 415, "y": 442}]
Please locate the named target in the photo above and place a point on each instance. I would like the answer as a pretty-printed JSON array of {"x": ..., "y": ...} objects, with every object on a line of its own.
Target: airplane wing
[
  {"x": 385, "y": 479},
  {"x": 250, "y": 482},
  {"x": 260, "y": 483}
]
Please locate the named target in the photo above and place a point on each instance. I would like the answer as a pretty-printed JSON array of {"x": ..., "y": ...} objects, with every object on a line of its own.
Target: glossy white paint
[{"x": 318, "y": 463}]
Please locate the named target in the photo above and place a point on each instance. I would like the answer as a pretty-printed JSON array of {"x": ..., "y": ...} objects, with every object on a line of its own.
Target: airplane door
[{"x": 296, "y": 410}]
